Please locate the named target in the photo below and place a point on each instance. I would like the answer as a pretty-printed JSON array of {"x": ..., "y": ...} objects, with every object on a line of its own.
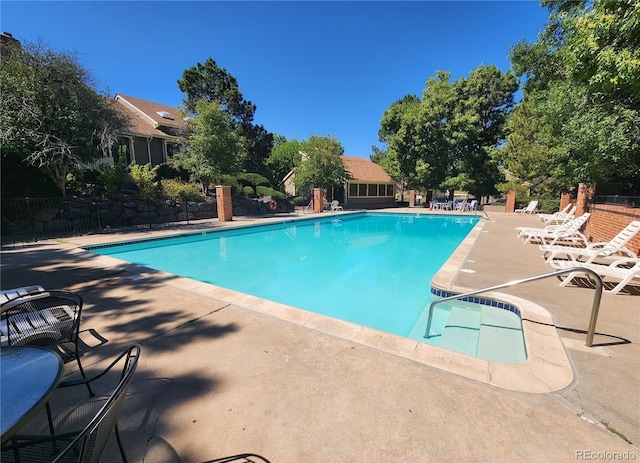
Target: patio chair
[
  {"x": 473, "y": 205},
  {"x": 242, "y": 458},
  {"x": 607, "y": 250},
  {"x": 558, "y": 217},
  {"x": 623, "y": 270},
  {"x": 530, "y": 209},
  {"x": 47, "y": 319},
  {"x": 461, "y": 206},
  {"x": 65, "y": 442},
  {"x": 553, "y": 234},
  {"x": 335, "y": 205}
]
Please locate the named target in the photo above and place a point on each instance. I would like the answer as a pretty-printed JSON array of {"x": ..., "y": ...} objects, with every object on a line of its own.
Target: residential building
[
  {"x": 155, "y": 131},
  {"x": 368, "y": 187}
]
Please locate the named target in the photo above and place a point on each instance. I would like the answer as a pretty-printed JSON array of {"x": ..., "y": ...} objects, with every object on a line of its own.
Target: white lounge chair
[
  {"x": 553, "y": 234},
  {"x": 563, "y": 216},
  {"x": 554, "y": 227},
  {"x": 623, "y": 270},
  {"x": 608, "y": 250},
  {"x": 530, "y": 209}
]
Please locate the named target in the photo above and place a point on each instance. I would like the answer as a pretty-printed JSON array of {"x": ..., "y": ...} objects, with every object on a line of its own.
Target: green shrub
[
  {"x": 176, "y": 189},
  {"x": 144, "y": 176},
  {"x": 111, "y": 177},
  {"x": 266, "y": 191},
  {"x": 230, "y": 180},
  {"x": 549, "y": 205},
  {"x": 251, "y": 179},
  {"x": 167, "y": 171},
  {"x": 248, "y": 191},
  {"x": 300, "y": 201}
]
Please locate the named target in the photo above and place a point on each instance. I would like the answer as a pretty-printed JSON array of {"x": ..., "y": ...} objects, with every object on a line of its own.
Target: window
[
  {"x": 364, "y": 190},
  {"x": 390, "y": 191},
  {"x": 353, "y": 189},
  {"x": 164, "y": 115}
]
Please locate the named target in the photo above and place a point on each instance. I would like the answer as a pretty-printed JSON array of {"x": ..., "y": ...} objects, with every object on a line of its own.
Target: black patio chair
[
  {"x": 242, "y": 458},
  {"x": 48, "y": 319},
  {"x": 88, "y": 444}
]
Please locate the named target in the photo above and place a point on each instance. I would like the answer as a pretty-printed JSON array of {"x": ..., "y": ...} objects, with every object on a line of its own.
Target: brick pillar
[
  {"x": 585, "y": 193},
  {"x": 565, "y": 199},
  {"x": 318, "y": 200},
  {"x": 511, "y": 201},
  {"x": 412, "y": 198},
  {"x": 225, "y": 206}
]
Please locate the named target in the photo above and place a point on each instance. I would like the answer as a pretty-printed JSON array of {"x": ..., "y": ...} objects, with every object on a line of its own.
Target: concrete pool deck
[{"x": 223, "y": 374}]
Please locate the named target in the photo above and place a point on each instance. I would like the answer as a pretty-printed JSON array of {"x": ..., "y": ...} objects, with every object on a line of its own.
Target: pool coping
[{"x": 547, "y": 368}]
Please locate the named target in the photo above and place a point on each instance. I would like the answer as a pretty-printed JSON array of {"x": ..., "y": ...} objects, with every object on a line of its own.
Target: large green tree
[
  {"x": 322, "y": 165},
  {"x": 212, "y": 83},
  {"x": 51, "y": 115},
  {"x": 212, "y": 148},
  {"x": 527, "y": 151},
  {"x": 285, "y": 155},
  {"x": 583, "y": 81},
  {"x": 447, "y": 139}
]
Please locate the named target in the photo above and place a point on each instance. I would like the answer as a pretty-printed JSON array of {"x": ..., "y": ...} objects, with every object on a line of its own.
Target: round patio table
[{"x": 28, "y": 377}]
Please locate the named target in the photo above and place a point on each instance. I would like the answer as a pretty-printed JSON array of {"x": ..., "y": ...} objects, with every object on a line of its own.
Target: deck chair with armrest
[
  {"x": 562, "y": 216},
  {"x": 530, "y": 209},
  {"x": 335, "y": 205},
  {"x": 555, "y": 234},
  {"x": 607, "y": 250},
  {"x": 547, "y": 228},
  {"x": 47, "y": 319},
  {"x": 74, "y": 436},
  {"x": 623, "y": 270}
]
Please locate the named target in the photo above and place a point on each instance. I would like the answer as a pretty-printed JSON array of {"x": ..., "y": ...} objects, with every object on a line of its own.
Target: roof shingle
[{"x": 364, "y": 170}]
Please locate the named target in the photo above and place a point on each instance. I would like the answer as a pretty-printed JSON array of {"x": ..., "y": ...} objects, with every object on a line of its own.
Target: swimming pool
[{"x": 366, "y": 268}]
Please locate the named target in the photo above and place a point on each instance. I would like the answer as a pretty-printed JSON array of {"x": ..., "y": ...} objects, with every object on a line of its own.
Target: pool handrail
[{"x": 595, "y": 307}]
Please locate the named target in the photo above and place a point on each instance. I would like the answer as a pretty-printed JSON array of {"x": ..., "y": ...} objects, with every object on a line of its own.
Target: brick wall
[{"x": 606, "y": 221}]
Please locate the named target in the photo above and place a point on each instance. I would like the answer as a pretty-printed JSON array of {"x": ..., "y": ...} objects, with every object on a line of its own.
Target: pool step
[
  {"x": 501, "y": 337},
  {"x": 462, "y": 330}
]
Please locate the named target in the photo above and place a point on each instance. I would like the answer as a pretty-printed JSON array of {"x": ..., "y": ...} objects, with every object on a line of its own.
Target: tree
[
  {"x": 285, "y": 155},
  {"x": 212, "y": 83},
  {"x": 396, "y": 130},
  {"x": 446, "y": 140},
  {"x": 527, "y": 151},
  {"x": 323, "y": 166},
  {"x": 212, "y": 148},
  {"x": 583, "y": 77},
  {"x": 51, "y": 116},
  {"x": 484, "y": 101}
]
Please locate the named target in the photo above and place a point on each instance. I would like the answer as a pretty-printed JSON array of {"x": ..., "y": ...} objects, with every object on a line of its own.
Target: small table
[{"x": 28, "y": 377}]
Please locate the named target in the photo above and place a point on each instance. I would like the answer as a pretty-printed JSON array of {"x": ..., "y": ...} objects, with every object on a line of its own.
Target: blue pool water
[{"x": 367, "y": 268}]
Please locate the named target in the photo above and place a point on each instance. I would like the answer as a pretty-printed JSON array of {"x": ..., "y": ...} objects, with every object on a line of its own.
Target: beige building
[{"x": 368, "y": 187}]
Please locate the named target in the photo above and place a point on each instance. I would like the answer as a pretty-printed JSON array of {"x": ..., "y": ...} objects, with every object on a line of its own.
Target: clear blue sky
[{"x": 312, "y": 68}]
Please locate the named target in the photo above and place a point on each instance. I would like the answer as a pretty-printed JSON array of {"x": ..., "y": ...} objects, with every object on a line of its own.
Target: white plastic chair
[
  {"x": 530, "y": 209},
  {"x": 615, "y": 247},
  {"x": 624, "y": 270}
]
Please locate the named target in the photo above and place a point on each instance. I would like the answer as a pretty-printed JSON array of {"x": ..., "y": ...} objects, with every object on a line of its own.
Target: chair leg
[
  {"x": 117, "y": 431},
  {"x": 77, "y": 354}
]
